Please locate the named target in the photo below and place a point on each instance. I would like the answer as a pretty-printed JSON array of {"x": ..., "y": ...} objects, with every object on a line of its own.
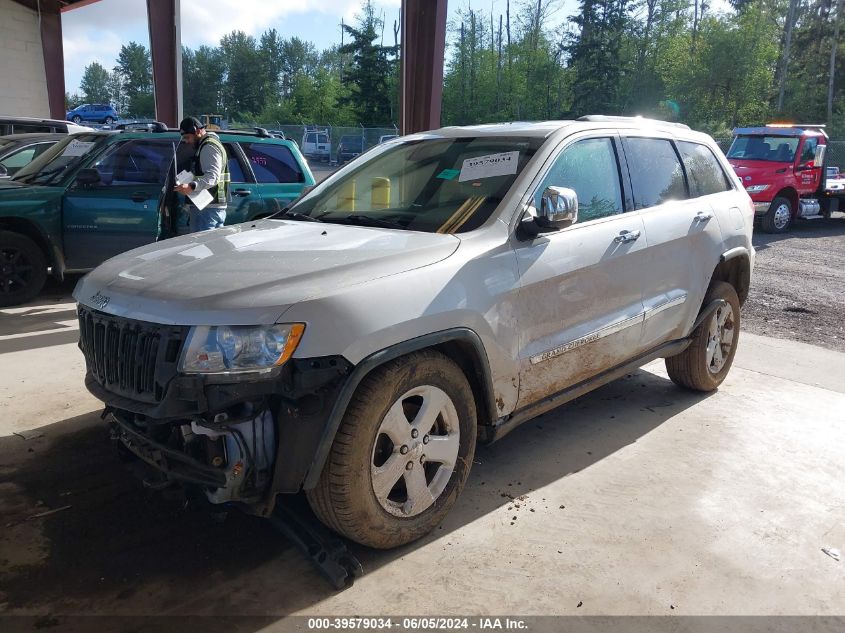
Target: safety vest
[{"x": 219, "y": 191}]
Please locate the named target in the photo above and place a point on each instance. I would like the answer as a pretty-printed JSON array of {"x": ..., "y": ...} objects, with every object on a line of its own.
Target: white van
[{"x": 317, "y": 145}]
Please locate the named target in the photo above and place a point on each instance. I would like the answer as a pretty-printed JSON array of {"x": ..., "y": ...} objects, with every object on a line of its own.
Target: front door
[
  {"x": 580, "y": 307},
  {"x": 121, "y": 211}
]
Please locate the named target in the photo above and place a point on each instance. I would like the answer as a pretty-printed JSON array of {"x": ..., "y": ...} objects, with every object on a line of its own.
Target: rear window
[
  {"x": 322, "y": 138},
  {"x": 273, "y": 163},
  {"x": 656, "y": 173},
  {"x": 705, "y": 174}
]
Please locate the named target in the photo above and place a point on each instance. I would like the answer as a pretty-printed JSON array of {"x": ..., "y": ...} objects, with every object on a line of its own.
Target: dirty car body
[{"x": 229, "y": 360}]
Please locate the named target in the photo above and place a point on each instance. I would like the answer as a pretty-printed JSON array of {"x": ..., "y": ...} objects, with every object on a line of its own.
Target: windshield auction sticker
[
  {"x": 488, "y": 166},
  {"x": 77, "y": 148}
]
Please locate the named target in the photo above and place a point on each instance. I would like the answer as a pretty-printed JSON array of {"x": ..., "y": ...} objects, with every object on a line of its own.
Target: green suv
[{"x": 92, "y": 196}]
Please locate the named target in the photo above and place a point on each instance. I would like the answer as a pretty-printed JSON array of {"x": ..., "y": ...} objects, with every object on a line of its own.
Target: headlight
[
  {"x": 756, "y": 188},
  {"x": 229, "y": 349}
]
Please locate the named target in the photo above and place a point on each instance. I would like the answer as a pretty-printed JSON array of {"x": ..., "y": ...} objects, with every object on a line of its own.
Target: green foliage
[
  {"x": 95, "y": 84},
  {"x": 370, "y": 67}
]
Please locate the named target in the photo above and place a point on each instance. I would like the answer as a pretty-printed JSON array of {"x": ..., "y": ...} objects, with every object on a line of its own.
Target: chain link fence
[{"x": 371, "y": 136}]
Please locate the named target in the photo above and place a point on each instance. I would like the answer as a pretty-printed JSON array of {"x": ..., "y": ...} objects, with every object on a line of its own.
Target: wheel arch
[
  {"x": 734, "y": 267},
  {"x": 41, "y": 239},
  {"x": 461, "y": 345}
]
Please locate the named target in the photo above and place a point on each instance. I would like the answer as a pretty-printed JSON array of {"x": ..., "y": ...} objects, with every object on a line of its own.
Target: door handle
[
  {"x": 701, "y": 216},
  {"x": 627, "y": 236},
  {"x": 241, "y": 192},
  {"x": 139, "y": 196}
]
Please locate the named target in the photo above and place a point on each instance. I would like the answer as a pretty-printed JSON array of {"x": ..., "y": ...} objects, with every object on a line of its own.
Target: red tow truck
[{"x": 782, "y": 167}]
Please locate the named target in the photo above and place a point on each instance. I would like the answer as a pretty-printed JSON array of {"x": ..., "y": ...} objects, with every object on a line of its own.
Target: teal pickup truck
[{"x": 94, "y": 195}]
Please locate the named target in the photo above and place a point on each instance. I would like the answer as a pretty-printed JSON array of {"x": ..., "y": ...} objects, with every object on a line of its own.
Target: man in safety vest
[{"x": 211, "y": 172}]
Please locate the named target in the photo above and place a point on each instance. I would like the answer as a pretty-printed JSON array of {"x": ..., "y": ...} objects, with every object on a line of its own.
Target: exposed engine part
[
  {"x": 809, "y": 207},
  {"x": 248, "y": 450}
]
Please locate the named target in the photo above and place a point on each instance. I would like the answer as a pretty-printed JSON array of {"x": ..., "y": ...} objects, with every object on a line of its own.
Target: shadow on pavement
[{"x": 112, "y": 548}]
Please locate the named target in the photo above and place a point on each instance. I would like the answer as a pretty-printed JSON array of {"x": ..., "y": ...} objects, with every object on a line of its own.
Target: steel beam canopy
[
  {"x": 166, "y": 48},
  {"x": 423, "y": 49}
]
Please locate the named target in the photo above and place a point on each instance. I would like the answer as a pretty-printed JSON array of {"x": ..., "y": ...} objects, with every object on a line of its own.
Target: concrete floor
[{"x": 638, "y": 499}]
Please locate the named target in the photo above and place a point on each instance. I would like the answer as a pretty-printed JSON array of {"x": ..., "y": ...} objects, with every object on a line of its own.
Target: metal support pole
[
  {"x": 54, "y": 60},
  {"x": 423, "y": 49},
  {"x": 166, "y": 47}
]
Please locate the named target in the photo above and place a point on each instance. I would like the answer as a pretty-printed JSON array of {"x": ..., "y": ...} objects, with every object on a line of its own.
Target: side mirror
[
  {"x": 559, "y": 206},
  {"x": 558, "y": 209},
  {"x": 818, "y": 159},
  {"x": 88, "y": 177}
]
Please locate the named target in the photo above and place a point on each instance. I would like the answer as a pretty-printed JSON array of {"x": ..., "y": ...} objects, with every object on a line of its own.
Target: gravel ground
[{"x": 798, "y": 287}]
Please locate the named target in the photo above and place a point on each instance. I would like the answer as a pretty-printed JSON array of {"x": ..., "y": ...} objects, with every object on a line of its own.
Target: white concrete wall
[{"x": 23, "y": 82}]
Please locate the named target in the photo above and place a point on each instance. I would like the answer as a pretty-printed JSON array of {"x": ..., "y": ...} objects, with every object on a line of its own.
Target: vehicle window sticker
[
  {"x": 77, "y": 148},
  {"x": 489, "y": 166}
]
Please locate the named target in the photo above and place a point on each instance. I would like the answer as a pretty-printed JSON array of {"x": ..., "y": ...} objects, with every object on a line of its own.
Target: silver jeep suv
[{"x": 439, "y": 290}]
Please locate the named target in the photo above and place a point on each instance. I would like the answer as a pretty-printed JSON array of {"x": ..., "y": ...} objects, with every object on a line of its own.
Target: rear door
[
  {"x": 682, "y": 234},
  {"x": 580, "y": 305},
  {"x": 120, "y": 212}
]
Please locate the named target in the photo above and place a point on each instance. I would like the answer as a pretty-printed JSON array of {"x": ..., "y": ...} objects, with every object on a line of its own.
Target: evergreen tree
[{"x": 370, "y": 68}]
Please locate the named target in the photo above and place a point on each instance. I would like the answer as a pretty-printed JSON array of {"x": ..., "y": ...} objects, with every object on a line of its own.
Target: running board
[
  {"x": 324, "y": 548},
  {"x": 505, "y": 425}
]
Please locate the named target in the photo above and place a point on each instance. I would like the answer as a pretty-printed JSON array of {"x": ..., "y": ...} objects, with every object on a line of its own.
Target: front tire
[
  {"x": 23, "y": 269},
  {"x": 706, "y": 362},
  {"x": 402, "y": 454},
  {"x": 778, "y": 218}
]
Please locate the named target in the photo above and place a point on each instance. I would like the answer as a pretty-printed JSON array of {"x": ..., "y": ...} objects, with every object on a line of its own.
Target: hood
[
  {"x": 759, "y": 171},
  {"x": 253, "y": 272}
]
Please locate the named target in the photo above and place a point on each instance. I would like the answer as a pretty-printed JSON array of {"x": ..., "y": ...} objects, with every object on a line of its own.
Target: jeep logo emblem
[{"x": 100, "y": 300}]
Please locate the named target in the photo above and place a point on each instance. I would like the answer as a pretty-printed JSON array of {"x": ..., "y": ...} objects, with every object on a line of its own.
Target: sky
[{"x": 97, "y": 31}]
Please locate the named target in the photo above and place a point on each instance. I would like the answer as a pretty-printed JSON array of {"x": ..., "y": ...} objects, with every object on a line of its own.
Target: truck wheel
[
  {"x": 402, "y": 453},
  {"x": 704, "y": 364},
  {"x": 779, "y": 216},
  {"x": 23, "y": 269}
]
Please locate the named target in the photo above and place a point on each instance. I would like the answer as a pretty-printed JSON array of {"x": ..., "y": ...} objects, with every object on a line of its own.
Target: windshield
[
  {"x": 435, "y": 184},
  {"x": 777, "y": 149},
  {"x": 63, "y": 157}
]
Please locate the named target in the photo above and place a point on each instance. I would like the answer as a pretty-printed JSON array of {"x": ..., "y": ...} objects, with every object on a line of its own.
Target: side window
[
  {"x": 591, "y": 169},
  {"x": 135, "y": 162},
  {"x": 808, "y": 153},
  {"x": 236, "y": 172},
  {"x": 273, "y": 163},
  {"x": 656, "y": 173},
  {"x": 704, "y": 172},
  {"x": 21, "y": 158}
]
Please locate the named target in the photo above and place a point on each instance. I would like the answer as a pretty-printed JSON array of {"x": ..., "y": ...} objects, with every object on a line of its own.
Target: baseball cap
[{"x": 190, "y": 125}]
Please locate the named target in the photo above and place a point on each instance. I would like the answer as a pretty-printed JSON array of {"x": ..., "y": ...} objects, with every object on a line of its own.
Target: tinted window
[
  {"x": 590, "y": 168},
  {"x": 136, "y": 162},
  {"x": 311, "y": 138},
  {"x": 322, "y": 138},
  {"x": 808, "y": 152},
  {"x": 656, "y": 172},
  {"x": 27, "y": 128},
  {"x": 273, "y": 163},
  {"x": 703, "y": 170}
]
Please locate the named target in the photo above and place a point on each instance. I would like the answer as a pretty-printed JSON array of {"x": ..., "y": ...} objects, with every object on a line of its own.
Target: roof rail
[
  {"x": 142, "y": 126},
  {"x": 602, "y": 118}
]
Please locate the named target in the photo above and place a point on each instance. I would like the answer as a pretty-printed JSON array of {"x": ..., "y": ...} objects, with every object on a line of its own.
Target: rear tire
[
  {"x": 378, "y": 487},
  {"x": 705, "y": 363},
  {"x": 23, "y": 269},
  {"x": 77, "y": 119},
  {"x": 778, "y": 218},
  {"x": 109, "y": 120}
]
